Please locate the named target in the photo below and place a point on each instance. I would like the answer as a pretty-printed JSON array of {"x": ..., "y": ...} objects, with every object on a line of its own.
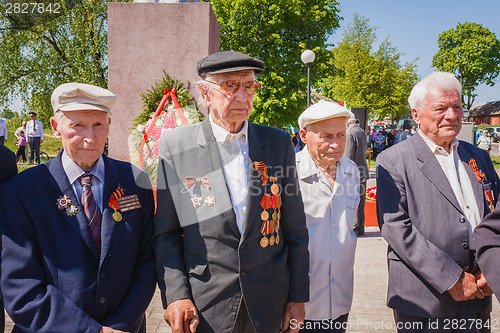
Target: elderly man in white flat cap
[
  {"x": 76, "y": 235},
  {"x": 329, "y": 183}
]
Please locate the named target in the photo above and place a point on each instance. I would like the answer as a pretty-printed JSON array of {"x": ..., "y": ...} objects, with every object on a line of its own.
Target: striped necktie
[{"x": 91, "y": 210}]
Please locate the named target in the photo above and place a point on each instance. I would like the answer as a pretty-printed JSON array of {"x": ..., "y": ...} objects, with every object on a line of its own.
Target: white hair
[{"x": 437, "y": 80}]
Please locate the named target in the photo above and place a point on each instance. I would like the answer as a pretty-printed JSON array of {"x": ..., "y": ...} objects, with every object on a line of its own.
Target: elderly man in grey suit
[
  {"x": 432, "y": 190},
  {"x": 355, "y": 150},
  {"x": 230, "y": 235}
]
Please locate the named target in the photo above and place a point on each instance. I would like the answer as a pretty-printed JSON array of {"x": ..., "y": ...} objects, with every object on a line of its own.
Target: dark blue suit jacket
[{"x": 52, "y": 277}]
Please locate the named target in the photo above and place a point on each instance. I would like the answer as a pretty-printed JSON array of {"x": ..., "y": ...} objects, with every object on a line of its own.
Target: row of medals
[{"x": 265, "y": 241}]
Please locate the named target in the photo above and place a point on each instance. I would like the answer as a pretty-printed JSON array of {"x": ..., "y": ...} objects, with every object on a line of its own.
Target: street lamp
[{"x": 307, "y": 58}]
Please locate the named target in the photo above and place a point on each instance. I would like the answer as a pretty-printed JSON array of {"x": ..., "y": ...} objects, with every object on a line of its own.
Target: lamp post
[{"x": 307, "y": 58}]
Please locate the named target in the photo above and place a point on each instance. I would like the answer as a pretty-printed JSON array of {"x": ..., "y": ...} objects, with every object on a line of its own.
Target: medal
[
  {"x": 264, "y": 215},
  {"x": 117, "y": 216},
  {"x": 278, "y": 238},
  {"x": 63, "y": 202},
  {"x": 71, "y": 210},
  {"x": 271, "y": 240},
  {"x": 264, "y": 242},
  {"x": 275, "y": 216},
  {"x": 210, "y": 201}
]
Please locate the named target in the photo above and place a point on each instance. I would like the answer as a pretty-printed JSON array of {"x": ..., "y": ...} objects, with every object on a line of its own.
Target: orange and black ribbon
[
  {"x": 479, "y": 175},
  {"x": 190, "y": 181},
  {"x": 261, "y": 166},
  {"x": 118, "y": 193}
]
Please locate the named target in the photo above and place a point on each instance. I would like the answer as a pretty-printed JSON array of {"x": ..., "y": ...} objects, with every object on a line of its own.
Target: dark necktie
[{"x": 91, "y": 210}]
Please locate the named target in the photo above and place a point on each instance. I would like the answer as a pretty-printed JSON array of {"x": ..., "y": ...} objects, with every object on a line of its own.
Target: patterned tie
[{"x": 91, "y": 210}]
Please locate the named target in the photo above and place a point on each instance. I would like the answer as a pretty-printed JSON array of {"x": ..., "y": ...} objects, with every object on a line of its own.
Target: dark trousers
[
  {"x": 21, "y": 152},
  {"x": 1, "y": 140},
  {"x": 359, "y": 227},
  {"x": 34, "y": 149},
  {"x": 338, "y": 325},
  {"x": 243, "y": 322},
  {"x": 466, "y": 323}
]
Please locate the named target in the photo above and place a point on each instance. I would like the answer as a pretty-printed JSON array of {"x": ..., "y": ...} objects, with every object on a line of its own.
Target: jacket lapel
[
  {"x": 212, "y": 166},
  {"x": 431, "y": 168},
  {"x": 60, "y": 183},
  {"x": 257, "y": 153},
  {"x": 476, "y": 186},
  {"x": 108, "y": 223}
]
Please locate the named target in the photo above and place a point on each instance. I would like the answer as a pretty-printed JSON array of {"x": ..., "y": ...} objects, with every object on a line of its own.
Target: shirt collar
[
  {"x": 73, "y": 171},
  {"x": 435, "y": 148},
  {"x": 221, "y": 135}
]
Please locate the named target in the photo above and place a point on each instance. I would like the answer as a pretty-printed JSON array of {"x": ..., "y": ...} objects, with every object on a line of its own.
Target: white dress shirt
[
  {"x": 233, "y": 152},
  {"x": 74, "y": 172},
  {"x": 34, "y": 128},
  {"x": 459, "y": 181},
  {"x": 3, "y": 129},
  {"x": 330, "y": 217}
]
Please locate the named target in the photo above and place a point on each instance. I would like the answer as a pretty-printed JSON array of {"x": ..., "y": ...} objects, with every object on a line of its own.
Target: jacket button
[
  {"x": 466, "y": 268},
  {"x": 103, "y": 274},
  {"x": 465, "y": 245},
  {"x": 102, "y": 300},
  {"x": 243, "y": 245},
  {"x": 244, "y": 272},
  {"x": 462, "y": 219}
]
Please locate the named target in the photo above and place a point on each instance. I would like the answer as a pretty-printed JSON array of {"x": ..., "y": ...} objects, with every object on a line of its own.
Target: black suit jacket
[{"x": 8, "y": 167}]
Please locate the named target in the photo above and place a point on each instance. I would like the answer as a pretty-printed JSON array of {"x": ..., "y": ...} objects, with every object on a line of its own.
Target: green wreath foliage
[{"x": 151, "y": 100}]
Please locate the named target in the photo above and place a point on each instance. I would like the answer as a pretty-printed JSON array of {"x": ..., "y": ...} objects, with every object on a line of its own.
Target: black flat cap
[
  {"x": 32, "y": 113},
  {"x": 228, "y": 61}
]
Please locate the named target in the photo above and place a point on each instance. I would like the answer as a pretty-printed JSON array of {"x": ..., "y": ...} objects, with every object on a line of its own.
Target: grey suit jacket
[
  {"x": 200, "y": 253},
  {"x": 425, "y": 227},
  {"x": 355, "y": 149}
]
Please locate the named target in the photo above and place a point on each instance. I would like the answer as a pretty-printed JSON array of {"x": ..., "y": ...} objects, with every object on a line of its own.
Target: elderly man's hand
[
  {"x": 482, "y": 284},
  {"x": 174, "y": 315},
  {"x": 295, "y": 312},
  {"x": 465, "y": 288}
]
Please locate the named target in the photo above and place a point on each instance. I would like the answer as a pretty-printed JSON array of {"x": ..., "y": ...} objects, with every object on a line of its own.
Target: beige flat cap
[
  {"x": 81, "y": 96},
  {"x": 323, "y": 110}
]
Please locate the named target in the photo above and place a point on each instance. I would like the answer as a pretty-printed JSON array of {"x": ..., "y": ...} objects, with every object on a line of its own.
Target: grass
[{"x": 50, "y": 145}]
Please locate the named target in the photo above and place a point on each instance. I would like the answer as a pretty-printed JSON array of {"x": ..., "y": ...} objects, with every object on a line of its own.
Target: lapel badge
[
  {"x": 198, "y": 200},
  {"x": 128, "y": 203},
  {"x": 210, "y": 201},
  {"x": 113, "y": 203},
  {"x": 261, "y": 166},
  {"x": 64, "y": 202}
]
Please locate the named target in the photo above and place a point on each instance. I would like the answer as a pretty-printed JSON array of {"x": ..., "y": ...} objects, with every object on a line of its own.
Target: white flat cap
[
  {"x": 323, "y": 110},
  {"x": 81, "y": 96}
]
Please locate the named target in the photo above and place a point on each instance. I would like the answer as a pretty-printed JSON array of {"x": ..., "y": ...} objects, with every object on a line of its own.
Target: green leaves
[
  {"x": 472, "y": 53},
  {"x": 375, "y": 80}
]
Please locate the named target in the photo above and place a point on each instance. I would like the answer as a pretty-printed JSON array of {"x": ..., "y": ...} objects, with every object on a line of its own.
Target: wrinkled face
[
  {"x": 229, "y": 110},
  {"x": 83, "y": 135},
  {"x": 440, "y": 119},
  {"x": 325, "y": 140}
]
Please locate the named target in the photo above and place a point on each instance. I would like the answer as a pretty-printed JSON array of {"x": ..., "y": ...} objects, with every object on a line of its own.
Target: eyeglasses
[{"x": 232, "y": 86}]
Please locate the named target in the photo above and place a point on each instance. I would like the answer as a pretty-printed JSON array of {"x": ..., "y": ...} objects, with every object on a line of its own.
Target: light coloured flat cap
[
  {"x": 323, "y": 110},
  {"x": 81, "y": 96}
]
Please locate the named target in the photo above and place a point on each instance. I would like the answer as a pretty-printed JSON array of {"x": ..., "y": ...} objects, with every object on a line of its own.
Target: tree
[
  {"x": 472, "y": 53},
  {"x": 41, "y": 51},
  {"x": 374, "y": 80},
  {"x": 277, "y": 32}
]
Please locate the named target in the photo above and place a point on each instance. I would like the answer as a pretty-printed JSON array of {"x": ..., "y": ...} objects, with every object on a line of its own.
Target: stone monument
[{"x": 144, "y": 39}]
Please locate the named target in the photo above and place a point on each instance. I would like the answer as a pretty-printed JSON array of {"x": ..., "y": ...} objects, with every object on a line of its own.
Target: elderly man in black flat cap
[{"x": 229, "y": 234}]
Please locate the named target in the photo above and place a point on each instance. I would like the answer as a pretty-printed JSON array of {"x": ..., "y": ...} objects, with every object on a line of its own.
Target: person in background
[
  {"x": 21, "y": 128},
  {"x": 432, "y": 191},
  {"x": 230, "y": 241},
  {"x": 356, "y": 152},
  {"x": 3, "y": 132},
  {"x": 380, "y": 143},
  {"x": 34, "y": 133},
  {"x": 76, "y": 236},
  {"x": 329, "y": 183},
  {"x": 400, "y": 135},
  {"x": 21, "y": 147},
  {"x": 413, "y": 130},
  {"x": 8, "y": 169},
  {"x": 484, "y": 141},
  {"x": 373, "y": 135},
  {"x": 391, "y": 137}
]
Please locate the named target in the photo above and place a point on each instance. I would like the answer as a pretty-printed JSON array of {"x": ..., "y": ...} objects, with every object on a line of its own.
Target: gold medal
[
  {"x": 271, "y": 240},
  {"x": 277, "y": 238},
  {"x": 264, "y": 241},
  {"x": 275, "y": 189},
  {"x": 264, "y": 215},
  {"x": 275, "y": 216},
  {"x": 117, "y": 216}
]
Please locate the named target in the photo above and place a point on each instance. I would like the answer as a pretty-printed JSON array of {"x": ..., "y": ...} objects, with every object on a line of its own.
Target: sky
[{"x": 413, "y": 28}]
